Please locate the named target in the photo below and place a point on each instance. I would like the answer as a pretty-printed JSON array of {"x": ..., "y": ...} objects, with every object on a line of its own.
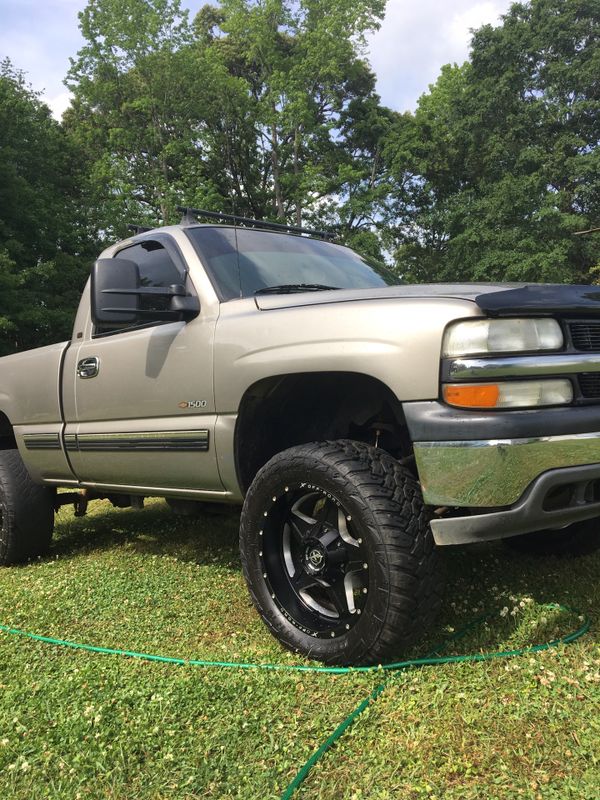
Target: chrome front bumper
[
  {"x": 510, "y": 486},
  {"x": 487, "y": 473}
]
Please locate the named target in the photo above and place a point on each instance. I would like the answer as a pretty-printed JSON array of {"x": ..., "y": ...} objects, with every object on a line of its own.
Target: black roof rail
[
  {"x": 585, "y": 233},
  {"x": 191, "y": 215},
  {"x": 138, "y": 228}
]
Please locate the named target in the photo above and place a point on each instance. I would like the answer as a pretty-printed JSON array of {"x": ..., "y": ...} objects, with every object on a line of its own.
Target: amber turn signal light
[
  {"x": 478, "y": 395},
  {"x": 510, "y": 394}
]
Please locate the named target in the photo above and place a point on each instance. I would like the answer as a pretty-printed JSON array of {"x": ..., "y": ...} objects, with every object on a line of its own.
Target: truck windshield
[{"x": 244, "y": 262}]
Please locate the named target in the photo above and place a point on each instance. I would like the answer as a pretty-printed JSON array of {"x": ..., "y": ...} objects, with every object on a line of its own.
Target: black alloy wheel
[{"x": 315, "y": 562}]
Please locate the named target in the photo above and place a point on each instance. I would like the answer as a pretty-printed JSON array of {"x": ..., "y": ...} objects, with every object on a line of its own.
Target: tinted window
[
  {"x": 156, "y": 269},
  {"x": 155, "y": 264},
  {"x": 244, "y": 261}
]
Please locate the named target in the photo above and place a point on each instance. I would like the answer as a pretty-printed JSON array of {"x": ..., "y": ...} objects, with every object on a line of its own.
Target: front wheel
[{"x": 338, "y": 553}]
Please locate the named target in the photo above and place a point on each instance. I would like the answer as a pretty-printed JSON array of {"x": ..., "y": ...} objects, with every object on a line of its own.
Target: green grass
[{"x": 77, "y": 725}]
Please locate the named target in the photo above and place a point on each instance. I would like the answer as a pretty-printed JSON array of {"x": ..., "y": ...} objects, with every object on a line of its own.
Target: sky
[{"x": 416, "y": 38}]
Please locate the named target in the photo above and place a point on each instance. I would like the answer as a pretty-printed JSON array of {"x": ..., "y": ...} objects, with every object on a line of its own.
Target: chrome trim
[
  {"x": 488, "y": 473},
  {"x": 521, "y": 366}
]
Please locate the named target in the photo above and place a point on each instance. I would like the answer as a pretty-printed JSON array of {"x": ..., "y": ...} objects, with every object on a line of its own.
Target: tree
[
  {"x": 500, "y": 164},
  {"x": 301, "y": 66},
  {"x": 243, "y": 111},
  {"x": 132, "y": 113},
  {"x": 44, "y": 255}
]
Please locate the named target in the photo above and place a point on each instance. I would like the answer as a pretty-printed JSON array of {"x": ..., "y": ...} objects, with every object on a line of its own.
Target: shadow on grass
[
  {"x": 207, "y": 538},
  {"x": 486, "y": 578},
  {"x": 513, "y": 593}
]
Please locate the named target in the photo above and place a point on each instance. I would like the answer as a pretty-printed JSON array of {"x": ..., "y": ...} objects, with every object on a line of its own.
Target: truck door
[{"x": 139, "y": 404}]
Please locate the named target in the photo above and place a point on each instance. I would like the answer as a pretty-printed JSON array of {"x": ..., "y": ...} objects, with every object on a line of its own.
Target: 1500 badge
[{"x": 192, "y": 404}]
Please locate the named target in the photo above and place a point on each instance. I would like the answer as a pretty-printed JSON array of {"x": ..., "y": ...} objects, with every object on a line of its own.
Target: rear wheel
[
  {"x": 338, "y": 553},
  {"x": 26, "y": 512}
]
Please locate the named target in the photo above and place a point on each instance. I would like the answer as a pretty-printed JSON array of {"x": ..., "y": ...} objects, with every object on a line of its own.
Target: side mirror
[
  {"x": 109, "y": 306},
  {"x": 116, "y": 293}
]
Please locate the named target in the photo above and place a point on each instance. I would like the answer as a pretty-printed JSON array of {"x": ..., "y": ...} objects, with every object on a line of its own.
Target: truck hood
[
  {"x": 494, "y": 299},
  {"x": 460, "y": 291}
]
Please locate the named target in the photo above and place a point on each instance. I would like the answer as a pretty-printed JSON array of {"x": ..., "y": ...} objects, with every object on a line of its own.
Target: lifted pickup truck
[{"x": 360, "y": 422}]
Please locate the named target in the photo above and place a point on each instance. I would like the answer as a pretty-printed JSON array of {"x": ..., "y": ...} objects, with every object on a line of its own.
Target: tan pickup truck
[{"x": 361, "y": 423}]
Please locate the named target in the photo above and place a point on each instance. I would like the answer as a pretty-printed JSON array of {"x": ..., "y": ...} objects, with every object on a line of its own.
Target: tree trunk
[
  {"x": 275, "y": 165},
  {"x": 297, "y": 175}
]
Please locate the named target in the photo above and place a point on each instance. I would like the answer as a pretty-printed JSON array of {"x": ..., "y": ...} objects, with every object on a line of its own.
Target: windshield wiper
[{"x": 288, "y": 288}]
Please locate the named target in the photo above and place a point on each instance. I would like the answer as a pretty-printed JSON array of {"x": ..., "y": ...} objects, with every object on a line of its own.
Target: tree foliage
[
  {"x": 500, "y": 164},
  {"x": 246, "y": 109},
  {"x": 43, "y": 238}
]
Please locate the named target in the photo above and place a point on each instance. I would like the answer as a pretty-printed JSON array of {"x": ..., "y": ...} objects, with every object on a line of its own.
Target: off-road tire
[
  {"x": 384, "y": 501},
  {"x": 26, "y": 512},
  {"x": 578, "y": 539}
]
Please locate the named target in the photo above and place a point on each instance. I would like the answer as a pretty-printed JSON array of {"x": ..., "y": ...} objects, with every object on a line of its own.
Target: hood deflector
[{"x": 550, "y": 298}]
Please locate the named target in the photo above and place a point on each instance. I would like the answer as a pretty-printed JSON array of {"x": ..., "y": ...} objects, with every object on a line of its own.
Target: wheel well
[
  {"x": 287, "y": 410},
  {"x": 7, "y": 435}
]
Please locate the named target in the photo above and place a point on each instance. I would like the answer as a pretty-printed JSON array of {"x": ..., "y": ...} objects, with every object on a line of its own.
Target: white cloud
[
  {"x": 418, "y": 38},
  {"x": 59, "y": 103},
  {"x": 39, "y": 37}
]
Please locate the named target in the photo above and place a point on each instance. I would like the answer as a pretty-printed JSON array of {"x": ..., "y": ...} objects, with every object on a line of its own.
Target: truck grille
[
  {"x": 589, "y": 384},
  {"x": 585, "y": 336}
]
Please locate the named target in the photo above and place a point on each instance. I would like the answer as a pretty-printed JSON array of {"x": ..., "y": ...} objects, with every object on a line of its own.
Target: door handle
[{"x": 88, "y": 367}]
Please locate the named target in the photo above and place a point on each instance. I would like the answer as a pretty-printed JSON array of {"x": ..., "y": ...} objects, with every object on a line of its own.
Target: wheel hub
[{"x": 315, "y": 558}]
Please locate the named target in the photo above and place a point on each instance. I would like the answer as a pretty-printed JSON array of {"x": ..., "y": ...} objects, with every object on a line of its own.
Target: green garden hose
[{"x": 432, "y": 659}]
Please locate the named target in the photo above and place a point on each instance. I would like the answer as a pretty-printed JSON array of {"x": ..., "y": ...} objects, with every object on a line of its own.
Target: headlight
[
  {"x": 501, "y": 336},
  {"x": 509, "y": 394}
]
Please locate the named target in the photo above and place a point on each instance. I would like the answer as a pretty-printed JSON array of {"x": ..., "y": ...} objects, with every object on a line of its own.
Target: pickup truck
[{"x": 362, "y": 424}]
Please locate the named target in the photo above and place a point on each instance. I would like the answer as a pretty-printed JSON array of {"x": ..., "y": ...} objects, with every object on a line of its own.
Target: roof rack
[
  {"x": 584, "y": 233},
  {"x": 138, "y": 228},
  {"x": 191, "y": 215}
]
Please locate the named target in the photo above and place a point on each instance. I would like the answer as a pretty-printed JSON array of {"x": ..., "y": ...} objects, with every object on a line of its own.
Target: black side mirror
[
  {"x": 109, "y": 306},
  {"x": 116, "y": 293}
]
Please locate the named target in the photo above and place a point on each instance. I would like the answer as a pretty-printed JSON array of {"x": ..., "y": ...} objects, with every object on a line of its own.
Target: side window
[{"x": 155, "y": 264}]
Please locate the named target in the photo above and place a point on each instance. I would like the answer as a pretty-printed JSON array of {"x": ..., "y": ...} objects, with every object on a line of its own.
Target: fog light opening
[
  {"x": 560, "y": 497},
  {"x": 592, "y": 492}
]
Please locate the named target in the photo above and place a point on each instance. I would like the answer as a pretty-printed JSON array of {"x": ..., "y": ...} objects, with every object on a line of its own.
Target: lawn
[{"x": 78, "y": 725}]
